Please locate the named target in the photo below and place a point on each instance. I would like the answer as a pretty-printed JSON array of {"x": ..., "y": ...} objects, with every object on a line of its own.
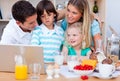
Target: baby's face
[{"x": 74, "y": 37}]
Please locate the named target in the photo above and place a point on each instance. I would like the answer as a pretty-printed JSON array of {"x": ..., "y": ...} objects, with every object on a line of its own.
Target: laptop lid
[{"x": 31, "y": 54}]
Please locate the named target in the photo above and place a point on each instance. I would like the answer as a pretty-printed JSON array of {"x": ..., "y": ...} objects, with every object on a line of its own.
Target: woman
[{"x": 78, "y": 11}]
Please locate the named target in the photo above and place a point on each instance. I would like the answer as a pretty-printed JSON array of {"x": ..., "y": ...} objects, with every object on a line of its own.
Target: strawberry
[
  {"x": 84, "y": 77},
  {"x": 83, "y": 67}
]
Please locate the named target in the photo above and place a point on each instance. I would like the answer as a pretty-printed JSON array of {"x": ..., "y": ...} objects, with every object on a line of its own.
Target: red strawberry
[{"x": 84, "y": 77}]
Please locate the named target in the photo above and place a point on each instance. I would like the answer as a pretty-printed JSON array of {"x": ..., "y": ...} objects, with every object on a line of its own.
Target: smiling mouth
[{"x": 72, "y": 41}]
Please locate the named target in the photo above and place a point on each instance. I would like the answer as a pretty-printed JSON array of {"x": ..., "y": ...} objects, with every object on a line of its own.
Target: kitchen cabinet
[{"x": 100, "y": 14}]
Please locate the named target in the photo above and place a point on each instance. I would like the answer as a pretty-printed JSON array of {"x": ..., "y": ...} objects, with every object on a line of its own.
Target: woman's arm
[
  {"x": 61, "y": 14},
  {"x": 96, "y": 32},
  {"x": 95, "y": 38}
]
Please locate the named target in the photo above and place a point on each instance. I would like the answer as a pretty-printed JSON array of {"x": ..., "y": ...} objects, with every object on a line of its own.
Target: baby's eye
[
  {"x": 68, "y": 35},
  {"x": 74, "y": 35}
]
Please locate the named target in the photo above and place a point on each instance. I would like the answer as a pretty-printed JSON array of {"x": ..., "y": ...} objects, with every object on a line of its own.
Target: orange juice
[{"x": 21, "y": 72}]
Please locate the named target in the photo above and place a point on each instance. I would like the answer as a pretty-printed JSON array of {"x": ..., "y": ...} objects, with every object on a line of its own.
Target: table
[{"x": 4, "y": 76}]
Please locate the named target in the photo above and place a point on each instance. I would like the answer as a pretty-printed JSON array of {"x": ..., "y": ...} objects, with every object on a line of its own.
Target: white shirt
[{"x": 13, "y": 34}]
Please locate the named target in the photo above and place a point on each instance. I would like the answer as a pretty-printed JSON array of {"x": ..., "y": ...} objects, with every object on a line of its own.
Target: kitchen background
[{"x": 108, "y": 12}]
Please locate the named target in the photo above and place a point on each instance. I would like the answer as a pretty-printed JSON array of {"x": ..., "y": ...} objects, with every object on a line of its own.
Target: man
[{"x": 18, "y": 30}]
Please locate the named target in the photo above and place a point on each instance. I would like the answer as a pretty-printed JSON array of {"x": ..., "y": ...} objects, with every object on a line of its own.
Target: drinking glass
[
  {"x": 72, "y": 61},
  {"x": 59, "y": 59},
  {"x": 35, "y": 70}
]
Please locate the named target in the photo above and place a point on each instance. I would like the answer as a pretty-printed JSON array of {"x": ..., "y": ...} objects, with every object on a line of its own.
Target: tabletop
[{"x": 4, "y": 76}]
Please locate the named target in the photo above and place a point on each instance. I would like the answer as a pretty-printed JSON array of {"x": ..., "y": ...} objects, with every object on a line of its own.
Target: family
[{"x": 77, "y": 34}]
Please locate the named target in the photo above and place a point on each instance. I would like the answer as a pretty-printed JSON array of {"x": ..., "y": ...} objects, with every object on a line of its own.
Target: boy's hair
[
  {"x": 45, "y": 5},
  {"x": 22, "y": 9}
]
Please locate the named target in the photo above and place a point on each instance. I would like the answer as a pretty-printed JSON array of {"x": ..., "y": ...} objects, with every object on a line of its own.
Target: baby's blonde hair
[{"x": 77, "y": 25}]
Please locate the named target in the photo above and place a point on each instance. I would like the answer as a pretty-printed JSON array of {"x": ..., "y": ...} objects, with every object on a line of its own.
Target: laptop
[{"x": 31, "y": 54}]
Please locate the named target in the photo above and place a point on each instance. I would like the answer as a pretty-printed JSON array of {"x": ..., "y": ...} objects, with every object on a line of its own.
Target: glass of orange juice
[{"x": 21, "y": 72}]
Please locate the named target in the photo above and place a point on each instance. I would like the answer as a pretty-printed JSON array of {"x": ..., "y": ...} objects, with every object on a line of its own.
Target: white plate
[{"x": 110, "y": 77}]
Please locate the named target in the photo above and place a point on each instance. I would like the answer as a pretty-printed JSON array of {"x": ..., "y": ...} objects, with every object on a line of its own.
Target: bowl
[{"x": 83, "y": 72}]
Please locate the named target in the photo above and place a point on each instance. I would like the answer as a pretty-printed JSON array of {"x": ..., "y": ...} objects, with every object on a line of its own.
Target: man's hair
[{"x": 22, "y": 10}]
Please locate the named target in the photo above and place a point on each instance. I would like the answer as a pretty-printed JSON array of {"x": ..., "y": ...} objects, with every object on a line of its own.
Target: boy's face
[
  {"x": 29, "y": 24},
  {"x": 74, "y": 37},
  {"x": 48, "y": 19}
]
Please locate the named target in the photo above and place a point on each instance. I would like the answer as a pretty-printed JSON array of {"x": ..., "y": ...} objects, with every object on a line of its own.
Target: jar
[
  {"x": 114, "y": 47},
  {"x": 21, "y": 68}
]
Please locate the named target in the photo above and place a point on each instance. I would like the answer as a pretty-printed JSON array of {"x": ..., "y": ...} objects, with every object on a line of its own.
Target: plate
[{"x": 110, "y": 77}]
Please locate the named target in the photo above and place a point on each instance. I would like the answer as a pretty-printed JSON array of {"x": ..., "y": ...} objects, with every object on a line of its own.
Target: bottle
[
  {"x": 95, "y": 7},
  {"x": 20, "y": 67},
  {"x": 114, "y": 50}
]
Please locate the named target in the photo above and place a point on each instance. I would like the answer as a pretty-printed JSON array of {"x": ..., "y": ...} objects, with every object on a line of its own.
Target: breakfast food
[
  {"x": 93, "y": 56},
  {"x": 83, "y": 67},
  {"x": 117, "y": 64},
  {"x": 89, "y": 62},
  {"x": 115, "y": 58},
  {"x": 98, "y": 56},
  {"x": 56, "y": 66},
  {"x": 50, "y": 67},
  {"x": 84, "y": 77},
  {"x": 107, "y": 61}
]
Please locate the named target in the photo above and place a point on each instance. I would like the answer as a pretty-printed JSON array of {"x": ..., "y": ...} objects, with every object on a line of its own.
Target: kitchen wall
[
  {"x": 34, "y": 2},
  {"x": 112, "y": 16}
]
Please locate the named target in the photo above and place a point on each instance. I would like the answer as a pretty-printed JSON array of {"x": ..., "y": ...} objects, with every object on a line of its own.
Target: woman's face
[{"x": 73, "y": 14}]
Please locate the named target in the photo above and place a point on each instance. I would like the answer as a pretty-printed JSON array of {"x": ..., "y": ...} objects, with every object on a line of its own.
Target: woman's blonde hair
[{"x": 83, "y": 7}]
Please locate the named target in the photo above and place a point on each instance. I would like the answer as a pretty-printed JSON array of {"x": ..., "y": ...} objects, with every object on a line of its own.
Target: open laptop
[{"x": 31, "y": 54}]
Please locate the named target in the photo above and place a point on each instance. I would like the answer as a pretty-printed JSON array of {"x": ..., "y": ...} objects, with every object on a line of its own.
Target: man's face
[{"x": 29, "y": 24}]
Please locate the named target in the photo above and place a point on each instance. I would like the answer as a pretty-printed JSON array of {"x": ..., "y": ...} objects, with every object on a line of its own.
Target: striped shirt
[{"x": 51, "y": 40}]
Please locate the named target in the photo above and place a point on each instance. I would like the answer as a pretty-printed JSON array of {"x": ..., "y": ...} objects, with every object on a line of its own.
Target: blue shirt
[
  {"x": 95, "y": 28},
  {"x": 51, "y": 40}
]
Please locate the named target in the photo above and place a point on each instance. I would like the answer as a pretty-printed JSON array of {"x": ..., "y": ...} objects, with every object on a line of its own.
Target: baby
[{"x": 74, "y": 41}]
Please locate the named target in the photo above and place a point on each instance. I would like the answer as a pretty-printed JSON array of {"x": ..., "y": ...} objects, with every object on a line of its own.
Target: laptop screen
[{"x": 31, "y": 54}]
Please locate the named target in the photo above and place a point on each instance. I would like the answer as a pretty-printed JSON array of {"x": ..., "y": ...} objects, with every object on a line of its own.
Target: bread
[
  {"x": 117, "y": 64},
  {"x": 93, "y": 56}
]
